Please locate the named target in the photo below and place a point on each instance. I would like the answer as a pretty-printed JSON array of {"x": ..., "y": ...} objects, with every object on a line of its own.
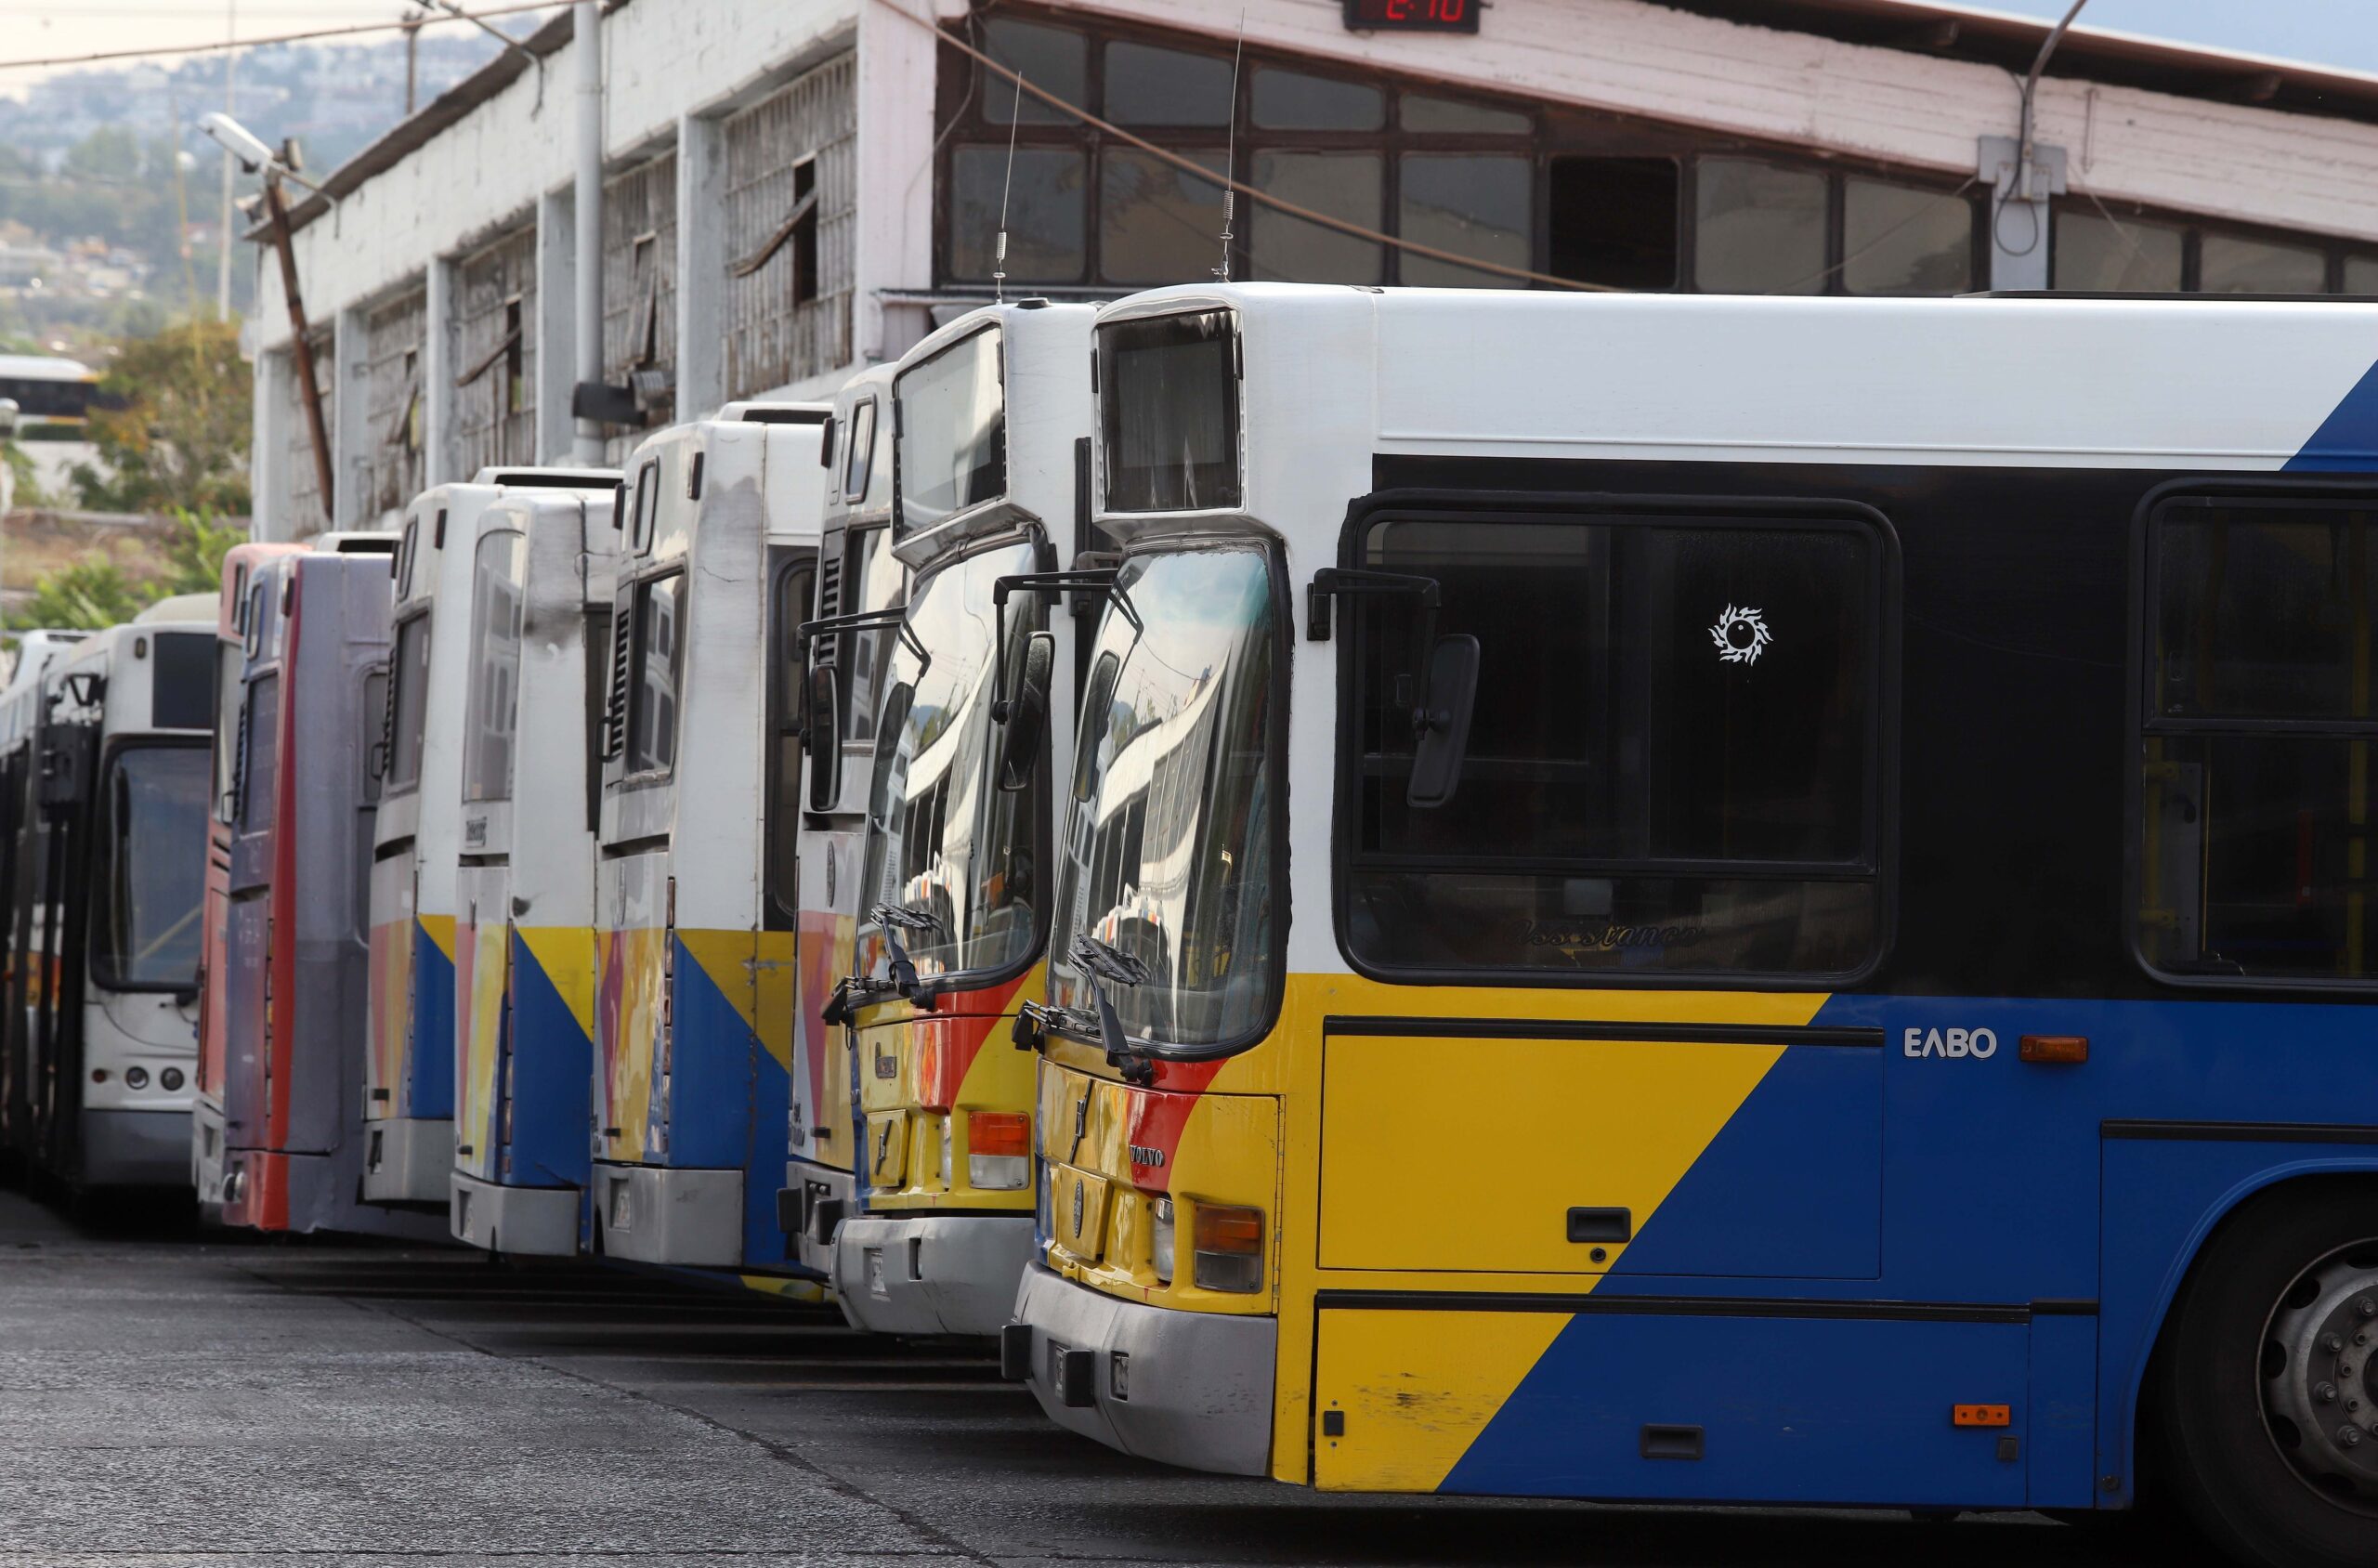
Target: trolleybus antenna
[
  {"x": 1230, "y": 154},
  {"x": 998, "y": 255}
]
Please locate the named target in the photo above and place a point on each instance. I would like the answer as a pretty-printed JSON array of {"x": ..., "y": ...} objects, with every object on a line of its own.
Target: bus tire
[{"x": 2247, "y": 1368}]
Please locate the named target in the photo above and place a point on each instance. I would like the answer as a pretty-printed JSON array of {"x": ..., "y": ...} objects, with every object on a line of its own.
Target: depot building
[{"x": 796, "y": 189}]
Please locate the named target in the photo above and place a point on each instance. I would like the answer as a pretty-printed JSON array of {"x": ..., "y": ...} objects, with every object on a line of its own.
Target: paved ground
[{"x": 170, "y": 1399}]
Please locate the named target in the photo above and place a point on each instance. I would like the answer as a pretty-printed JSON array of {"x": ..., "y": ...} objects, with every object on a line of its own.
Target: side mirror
[
  {"x": 1025, "y": 718},
  {"x": 821, "y": 738},
  {"x": 1440, "y": 725}
]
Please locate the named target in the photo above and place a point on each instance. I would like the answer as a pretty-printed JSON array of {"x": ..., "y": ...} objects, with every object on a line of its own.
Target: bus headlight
[
  {"x": 136, "y": 1078},
  {"x": 1163, "y": 1241},
  {"x": 171, "y": 1080},
  {"x": 998, "y": 1150},
  {"x": 1229, "y": 1249}
]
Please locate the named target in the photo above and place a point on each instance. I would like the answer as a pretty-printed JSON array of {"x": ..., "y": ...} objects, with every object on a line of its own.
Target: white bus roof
[{"x": 43, "y": 367}]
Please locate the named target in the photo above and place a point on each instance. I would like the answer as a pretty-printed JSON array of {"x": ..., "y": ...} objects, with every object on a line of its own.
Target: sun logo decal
[{"x": 1741, "y": 635}]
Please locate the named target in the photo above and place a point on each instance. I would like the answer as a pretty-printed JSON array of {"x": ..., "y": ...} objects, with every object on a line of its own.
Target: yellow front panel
[
  {"x": 887, "y": 1147},
  {"x": 1551, "y": 1125},
  {"x": 1078, "y": 1212},
  {"x": 1413, "y": 1389}
]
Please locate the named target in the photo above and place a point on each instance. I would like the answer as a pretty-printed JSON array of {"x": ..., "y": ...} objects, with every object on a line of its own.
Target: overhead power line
[{"x": 441, "y": 19}]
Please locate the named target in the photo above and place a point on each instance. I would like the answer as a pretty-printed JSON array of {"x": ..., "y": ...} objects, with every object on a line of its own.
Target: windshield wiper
[
  {"x": 856, "y": 990},
  {"x": 1102, "y": 963}
]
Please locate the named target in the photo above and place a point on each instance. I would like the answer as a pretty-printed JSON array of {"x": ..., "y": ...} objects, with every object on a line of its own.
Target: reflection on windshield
[
  {"x": 952, "y": 432},
  {"x": 1168, "y": 846},
  {"x": 942, "y": 838},
  {"x": 147, "y": 933}
]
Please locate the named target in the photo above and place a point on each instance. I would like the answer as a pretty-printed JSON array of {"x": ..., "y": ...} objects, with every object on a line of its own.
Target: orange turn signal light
[
  {"x": 998, "y": 1132},
  {"x": 1982, "y": 1415},
  {"x": 1238, "y": 1231},
  {"x": 2055, "y": 1048}
]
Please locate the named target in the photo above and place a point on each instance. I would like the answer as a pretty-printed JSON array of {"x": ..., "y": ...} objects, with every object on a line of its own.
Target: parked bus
[
  {"x": 102, "y": 801},
  {"x": 1777, "y": 931},
  {"x": 408, "y": 1072},
  {"x": 694, "y": 920},
  {"x": 954, "y": 906},
  {"x": 277, "y": 1134},
  {"x": 49, "y": 390},
  {"x": 545, "y": 568},
  {"x": 860, "y": 588}
]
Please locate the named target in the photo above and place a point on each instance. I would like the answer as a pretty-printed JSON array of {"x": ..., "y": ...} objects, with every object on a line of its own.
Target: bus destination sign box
[{"x": 1413, "y": 16}]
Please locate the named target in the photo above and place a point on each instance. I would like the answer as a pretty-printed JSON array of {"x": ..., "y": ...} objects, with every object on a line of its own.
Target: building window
[
  {"x": 495, "y": 401},
  {"x": 640, "y": 293},
  {"x": 790, "y": 268},
  {"x": 309, "y": 509},
  {"x": 1047, "y": 201},
  {"x": 1758, "y": 227},
  {"x": 1902, "y": 239},
  {"x": 1290, "y": 101},
  {"x": 1150, "y": 211},
  {"x": 394, "y": 338},
  {"x": 1613, "y": 221},
  {"x": 1471, "y": 203},
  {"x": 1341, "y": 185},
  {"x": 1148, "y": 85},
  {"x": 2234, "y": 263},
  {"x": 2097, "y": 253}
]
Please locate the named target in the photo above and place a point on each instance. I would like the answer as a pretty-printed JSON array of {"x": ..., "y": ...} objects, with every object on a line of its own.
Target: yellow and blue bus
[
  {"x": 1700, "y": 898},
  {"x": 49, "y": 390}
]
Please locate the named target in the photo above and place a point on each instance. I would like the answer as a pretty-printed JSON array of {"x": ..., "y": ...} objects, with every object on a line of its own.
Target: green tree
[
  {"x": 177, "y": 439},
  {"x": 85, "y": 597},
  {"x": 20, "y": 465},
  {"x": 194, "y": 556}
]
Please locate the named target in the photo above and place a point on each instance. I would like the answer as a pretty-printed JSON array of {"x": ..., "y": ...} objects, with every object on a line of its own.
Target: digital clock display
[{"x": 1413, "y": 16}]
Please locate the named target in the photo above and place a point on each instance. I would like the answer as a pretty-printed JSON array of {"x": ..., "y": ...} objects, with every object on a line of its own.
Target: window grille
[
  {"x": 495, "y": 375},
  {"x": 790, "y": 267},
  {"x": 309, "y": 509},
  {"x": 396, "y": 402},
  {"x": 640, "y": 292}
]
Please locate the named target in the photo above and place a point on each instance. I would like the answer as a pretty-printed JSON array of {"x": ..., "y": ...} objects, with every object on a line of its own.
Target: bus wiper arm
[
  {"x": 896, "y": 917},
  {"x": 1110, "y": 963},
  {"x": 1103, "y": 963}
]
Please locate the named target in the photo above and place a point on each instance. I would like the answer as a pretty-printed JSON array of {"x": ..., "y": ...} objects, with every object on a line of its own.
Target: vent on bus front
[
  {"x": 615, "y": 712},
  {"x": 829, "y": 603}
]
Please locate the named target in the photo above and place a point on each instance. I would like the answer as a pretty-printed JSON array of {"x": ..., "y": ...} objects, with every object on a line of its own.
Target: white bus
[
  {"x": 103, "y": 793},
  {"x": 545, "y": 568},
  {"x": 694, "y": 920},
  {"x": 860, "y": 587},
  {"x": 993, "y": 418},
  {"x": 409, "y": 1071}
]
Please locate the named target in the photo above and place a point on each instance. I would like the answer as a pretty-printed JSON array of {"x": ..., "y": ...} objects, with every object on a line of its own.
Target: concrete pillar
[
  {"x": 2021, "y": 233},
  {"x": 438, "y": 375},
  {"x": 893, "y": 246},
  {"x": 352, "y": 437},
  {"x": 556, "y": 325},
  {"x": 269, "y": 447},
  {"x": 701, "y": 266}
]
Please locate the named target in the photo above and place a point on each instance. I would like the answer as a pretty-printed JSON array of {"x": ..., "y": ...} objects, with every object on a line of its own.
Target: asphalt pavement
[{"x": 172, "y": 1398}]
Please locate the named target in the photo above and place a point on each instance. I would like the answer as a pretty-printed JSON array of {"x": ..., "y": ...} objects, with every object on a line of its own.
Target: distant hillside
[{"x": 91, "y": 227}]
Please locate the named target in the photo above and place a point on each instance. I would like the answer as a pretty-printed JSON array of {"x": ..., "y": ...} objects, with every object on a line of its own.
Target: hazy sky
[{"x": 2335, "y": 33}]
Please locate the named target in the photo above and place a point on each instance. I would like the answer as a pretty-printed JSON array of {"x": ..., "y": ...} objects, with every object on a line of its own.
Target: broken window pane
[
  {"x": 1757, "y": 229},
  {"x": 1290, "y": 249},
  {"x": 1613, "y": 221},
  {"x": 1474, "y": 204},
  {"x": 1453, "y": 117},
  {"x": 2361, "y": 275},
  {"x": 1146, "y": 85},
  {"x": 1289, "y": 100},
  {"x": 2233, "y": 263},
  {"x": 1051, "y": 58},
  {"x": 1045, "y": 213},
  {"x": 2117, "y": 256},
  {"x": 1899, "y": 240},
  {"x": 1157, "y": 224}
]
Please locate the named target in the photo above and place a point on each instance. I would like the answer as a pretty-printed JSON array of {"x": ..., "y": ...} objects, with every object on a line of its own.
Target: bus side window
[
  {"x": 2258, "y": 711},
  {"x": 794, "y": 592},
  {"x": 657, "y": 662},
  {"x": 1673, "y": 761}
]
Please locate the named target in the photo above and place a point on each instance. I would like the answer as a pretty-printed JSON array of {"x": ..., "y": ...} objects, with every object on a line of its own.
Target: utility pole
[
  {"x": 223, "y": 234},
  {"x": 411, "y": 25},
  {"x": 301, "y": 344}
]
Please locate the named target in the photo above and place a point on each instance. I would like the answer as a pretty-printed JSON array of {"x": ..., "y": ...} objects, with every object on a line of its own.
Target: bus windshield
[
  {"x": 146, "y": 937},
  {"x": 952, "y": 432},
  {"x": 1166, "y": 849},
  {"x": 943, "y": 843}
]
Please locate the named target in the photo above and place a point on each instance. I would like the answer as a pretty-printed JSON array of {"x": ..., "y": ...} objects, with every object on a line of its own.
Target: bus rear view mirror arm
[
  {"x": 1018, "y": 752},
  {"x": 1441, "y": 722}
]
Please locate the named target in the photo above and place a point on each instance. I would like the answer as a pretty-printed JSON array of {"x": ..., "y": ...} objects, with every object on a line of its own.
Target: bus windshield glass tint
[
  {"x": 1670, "y": 764},
  {"x": 1166, "y": 849},
  {"x": 952, "y": 432},
  {"x": 148, "y": 928},
  {"x": 2259, "y": 712},
  {"x": 943, "y": 842},
  {"x": 1170, "y": 413},
  {"x": 413, "y": 703}
]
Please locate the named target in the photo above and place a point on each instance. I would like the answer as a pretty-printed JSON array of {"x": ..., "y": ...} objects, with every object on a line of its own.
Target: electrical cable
[{"x": 105, "y": 55}]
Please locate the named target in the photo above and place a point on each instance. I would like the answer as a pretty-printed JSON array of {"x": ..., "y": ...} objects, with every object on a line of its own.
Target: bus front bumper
[
  {"x": 1188, "y": 1389},
  {"x": 930, "y": 1274},
  {"x": 408, "y": 1159},
  {"x": 526, "y": 1222},
  {"x": 136, "y": 1148}
]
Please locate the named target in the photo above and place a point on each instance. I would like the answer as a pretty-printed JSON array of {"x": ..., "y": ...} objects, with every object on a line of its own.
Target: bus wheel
[{"x": 2270, "y": 1372}]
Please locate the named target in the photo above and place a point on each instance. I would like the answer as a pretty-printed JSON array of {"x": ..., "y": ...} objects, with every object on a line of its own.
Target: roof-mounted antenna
[
  {"x": 998, "y": 255},
  {"x": 1230, "y": 157}
]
